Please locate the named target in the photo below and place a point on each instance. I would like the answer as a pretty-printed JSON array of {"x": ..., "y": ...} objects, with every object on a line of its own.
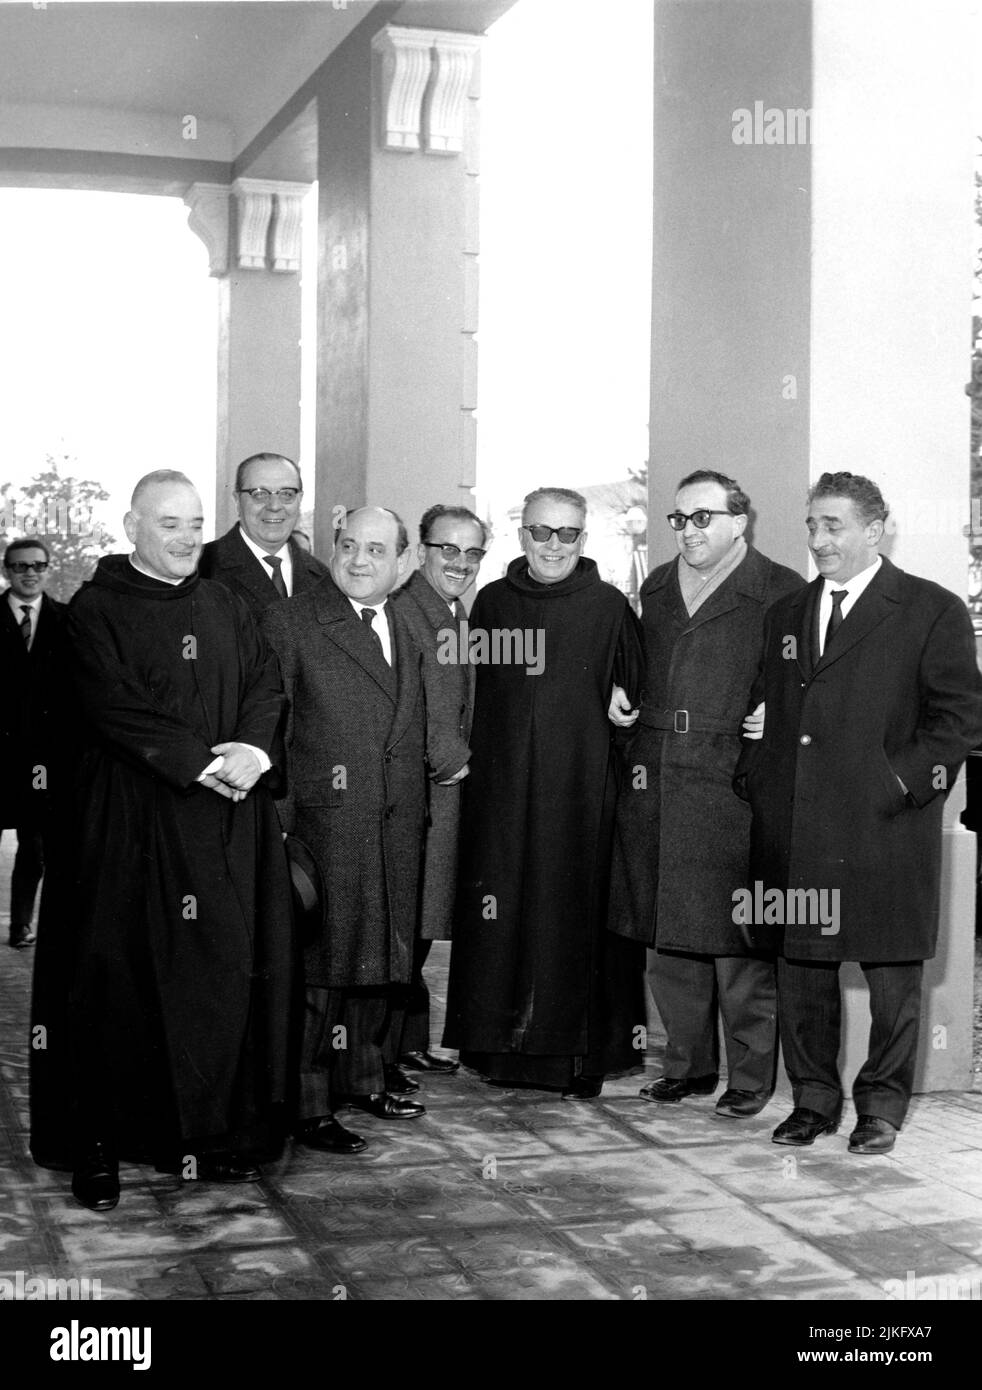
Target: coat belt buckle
[{"x": 682, "y": 714}]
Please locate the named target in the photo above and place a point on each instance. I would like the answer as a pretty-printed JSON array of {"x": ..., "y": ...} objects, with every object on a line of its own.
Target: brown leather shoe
[{"x": 872, "y": 1135}]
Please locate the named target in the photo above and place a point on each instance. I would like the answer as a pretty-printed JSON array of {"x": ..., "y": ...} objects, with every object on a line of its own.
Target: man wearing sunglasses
[
  {"x": 32, "y": 657},
  {"x": 452, "y": 543},
  {"x": 259, "y": 559},
  {"x": 540, "y": 993},
  {"x": 683, "y": 837}
]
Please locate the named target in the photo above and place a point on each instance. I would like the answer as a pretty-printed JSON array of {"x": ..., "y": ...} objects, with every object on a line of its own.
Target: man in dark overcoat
[
  {"x": 540, "y": 993},
  {"x": 164, "y": 971},
  {"x": 683, "y": 837},
  {"x": 356, "y": 797},
  {"x": 33, "y": 661},
  {"x": 259, "y": 559},
  {"x": 873, "y": 699},
  {"x": 451, "y": 547}
]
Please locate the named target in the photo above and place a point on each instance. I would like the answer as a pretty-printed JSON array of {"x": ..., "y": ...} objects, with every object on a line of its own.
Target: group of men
[{"x": 291, "y": 778}]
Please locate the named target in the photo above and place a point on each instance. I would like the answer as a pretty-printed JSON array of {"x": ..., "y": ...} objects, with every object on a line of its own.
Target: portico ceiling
[{"x": 122, "y": 79}]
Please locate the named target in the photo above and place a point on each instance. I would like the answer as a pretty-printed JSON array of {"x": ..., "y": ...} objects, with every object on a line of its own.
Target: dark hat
[{"x": 305, "y": 880}]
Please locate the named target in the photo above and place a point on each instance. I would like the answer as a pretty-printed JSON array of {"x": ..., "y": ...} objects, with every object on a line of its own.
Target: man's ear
[
  {"x": 402, "y": 561},
  {"x": 742, "y": 518},
  {"x": 420, "y": 553},
  {"x": 130, "y": 527}
]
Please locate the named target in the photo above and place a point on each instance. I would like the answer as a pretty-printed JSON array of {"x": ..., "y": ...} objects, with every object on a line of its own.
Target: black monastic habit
[
  {"x": 539, "y": 991},
  {"x": 165, "y": 956}
]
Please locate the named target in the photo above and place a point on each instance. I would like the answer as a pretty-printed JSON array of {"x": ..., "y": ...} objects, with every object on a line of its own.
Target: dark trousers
[
  {"x": 26, "y": 875},
  {"x": 344, "y": 1035},
  {"x": 687, "y": 990},
  {"x": 410, "y": 1021},
  {"x": 810, "y": 1011}
]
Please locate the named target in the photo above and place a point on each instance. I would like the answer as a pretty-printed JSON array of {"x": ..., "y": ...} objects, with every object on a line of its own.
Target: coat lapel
[
  {"x": 235, "y": 556},
  {"x": 872, "y": 607},
  {"x": 342, "y": 627}
]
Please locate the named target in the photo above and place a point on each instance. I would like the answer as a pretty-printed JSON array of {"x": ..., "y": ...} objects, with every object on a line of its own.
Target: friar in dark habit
[
  {"x": 162, "y": 994},
  {"x": 540, "y": 993}
]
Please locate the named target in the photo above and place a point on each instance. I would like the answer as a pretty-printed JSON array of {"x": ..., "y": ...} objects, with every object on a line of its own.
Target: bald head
[
  {"x": 164, "y": 525},
  {"x": 371, "y": 554}
]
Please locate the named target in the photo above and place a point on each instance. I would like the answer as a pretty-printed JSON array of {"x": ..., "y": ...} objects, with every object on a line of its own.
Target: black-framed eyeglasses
[
  {"x": 451, "y": 552},
  {"x": 700, "y": 518},
  {"x": 565, "y": 535},
  {"x": 24, "y": 566},
  {"x": 263, "y": 494}
]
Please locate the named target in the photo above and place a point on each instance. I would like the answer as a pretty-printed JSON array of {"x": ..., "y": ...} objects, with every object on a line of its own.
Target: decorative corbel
[
  {"x": 453, "y": 66},
  {"x": 208, "y": 218},
  {"x": 405, "y": 71},
  {"x": 254, "y": 205}
]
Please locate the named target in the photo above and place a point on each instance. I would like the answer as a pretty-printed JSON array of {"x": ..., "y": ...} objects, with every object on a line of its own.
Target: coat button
[
  {"x": 388, "y": 757},
  {"x": 805, "y": 738}
]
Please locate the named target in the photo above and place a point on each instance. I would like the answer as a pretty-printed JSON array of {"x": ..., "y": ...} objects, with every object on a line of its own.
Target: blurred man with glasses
[
  {"x": 259, "y": 558},
  {"x": 540, "y": 993},
  {"x": 683, "y": 836},
  {"x": 32, "y": 642},
  {"x": 452, "y": 543}
]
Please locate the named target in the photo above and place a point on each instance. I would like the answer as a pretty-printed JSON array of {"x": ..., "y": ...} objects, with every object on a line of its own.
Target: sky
[{"x": 108, "y": 349}]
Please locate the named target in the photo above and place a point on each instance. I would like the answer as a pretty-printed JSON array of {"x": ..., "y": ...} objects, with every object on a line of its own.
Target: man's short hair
[
  {"x": 265, "y": 458},
  {"x": 865, "y": 496},
  {"x": 455, "y": 513},
  {"x": 26, "y": 543},
  {"x": 402, "y": 535},
  {"x": 737, "y": 501},
  {"x": 159, "y": 475},
  {"x": 555, "y": 494}
]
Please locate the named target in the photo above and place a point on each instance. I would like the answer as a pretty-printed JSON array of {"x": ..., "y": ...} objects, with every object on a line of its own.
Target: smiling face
[
  {"x": 365, "y": 564},
  {"x": 838, "y": 538},
  {"x": 551, "y": 560},
  {"x": 451, "y": 578},
  {"x": 26, "y": 586},
  {"x": 703, "y": 549},
  {"x": 269, "y": 524},
  {"x": 165, "y": 530}
]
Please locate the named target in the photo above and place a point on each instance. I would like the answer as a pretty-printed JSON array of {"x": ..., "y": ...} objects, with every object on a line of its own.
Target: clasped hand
[{"x": 237, "y": 774}]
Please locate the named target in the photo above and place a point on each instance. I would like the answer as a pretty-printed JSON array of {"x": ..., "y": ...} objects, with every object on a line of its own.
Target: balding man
[
  {"x": 259, "y": 559},
  {"x": 356, "y": 778},
  {"x": 176, "y": 967}
]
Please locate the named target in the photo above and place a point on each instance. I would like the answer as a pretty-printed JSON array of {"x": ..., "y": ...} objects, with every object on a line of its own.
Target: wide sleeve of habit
[{"x": 629, "y": 660}]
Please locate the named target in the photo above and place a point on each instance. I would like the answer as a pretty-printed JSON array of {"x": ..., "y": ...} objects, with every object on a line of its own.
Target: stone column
[
  {"x": 252, "y": 231},
  {"x": 397, "y": 299}
]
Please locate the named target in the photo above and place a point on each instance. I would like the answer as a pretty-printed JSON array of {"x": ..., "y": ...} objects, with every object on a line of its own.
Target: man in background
[
  {"x": 259, "y": 559},
  {"x": 32, "y": 659}
]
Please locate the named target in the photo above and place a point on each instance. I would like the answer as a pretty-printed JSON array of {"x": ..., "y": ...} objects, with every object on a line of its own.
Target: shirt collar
[
  {"x": 16, "y": 604},
  {"x": 858, "y": 583},
  {"x": 258, "y": 551}
]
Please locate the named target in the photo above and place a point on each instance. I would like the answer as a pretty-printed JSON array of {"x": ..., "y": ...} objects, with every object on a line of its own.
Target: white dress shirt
[
  {"x": 286, "y": 568},
  {"x": 855, "y": 588},
  {"x": 380, "y": 624}
]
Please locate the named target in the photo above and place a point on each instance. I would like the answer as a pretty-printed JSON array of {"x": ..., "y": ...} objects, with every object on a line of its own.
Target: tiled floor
[{"x": 499, "y": 1194}]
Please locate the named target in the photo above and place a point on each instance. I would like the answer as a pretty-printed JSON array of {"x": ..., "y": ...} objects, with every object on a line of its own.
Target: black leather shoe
[
  {"x": 668, "y": 1088},
  {"x": 386, "y": 1107},
  {"x": 872, "y": 1135},
  {"x": 330, "y": 1136},
  {"x": 397, "y": 1083},
  {"x": 584, "y": 1088},
  {"x": 740, "y": 1105},
  {"x": 214, "y": 1167},
  {"x": 427, "y": 1061},
  {"x": 21, "y": 937},
  {"x": 95, "y": 1179},
  {"x": 803, "y": 1127}
]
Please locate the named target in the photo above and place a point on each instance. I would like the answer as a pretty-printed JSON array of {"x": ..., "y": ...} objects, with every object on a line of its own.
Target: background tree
[{"x": 59, "y": 508}]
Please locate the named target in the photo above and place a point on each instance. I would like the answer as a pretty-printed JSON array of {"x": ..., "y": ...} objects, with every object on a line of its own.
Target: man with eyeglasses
[
  {"x": 32, "y": 658},
  {"x": 259, "y": 558},
  {"x": 540, "y": 993},
  {"x": 452, "y": 543},
  {"x": 683, "y": 836}
]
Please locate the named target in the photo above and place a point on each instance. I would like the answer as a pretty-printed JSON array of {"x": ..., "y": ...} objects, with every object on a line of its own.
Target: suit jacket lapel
[
  {"x": 872, "y": 607},
  {"x": 407, "y": 675},
  {"x": 252, "y": 573},
  {"x": 343, "y": 627}
]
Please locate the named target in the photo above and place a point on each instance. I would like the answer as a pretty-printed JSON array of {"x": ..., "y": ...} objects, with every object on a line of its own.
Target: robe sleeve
[
  {"x": 274, "y": 628},
  {"x": 629, "y": 661},
  {"x": 122, "y": 711},
  {"x": 261, "y": 700}
]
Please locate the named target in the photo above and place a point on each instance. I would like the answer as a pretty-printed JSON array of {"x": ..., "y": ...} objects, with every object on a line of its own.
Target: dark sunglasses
[
  {"x": 700, "y": 518},
  {"x": 450, "y": 552},
  {"x": 23, "y": 566},
  {"x": 565, "y": 535}
]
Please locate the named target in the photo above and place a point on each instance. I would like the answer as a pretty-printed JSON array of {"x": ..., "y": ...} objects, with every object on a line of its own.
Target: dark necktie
[
  {"x": 367, "y": 614},
  {"x": 274, "y": 562},
  {"x": 25, "y": 624},
  {"x": 835, "y": 617},
  {"x": 459, "y": 611}
]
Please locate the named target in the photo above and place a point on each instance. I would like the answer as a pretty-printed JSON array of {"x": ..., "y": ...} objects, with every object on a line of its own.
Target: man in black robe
[
  {"x": 540, "y": 993},
  {"x": 163, "y": 990}
]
